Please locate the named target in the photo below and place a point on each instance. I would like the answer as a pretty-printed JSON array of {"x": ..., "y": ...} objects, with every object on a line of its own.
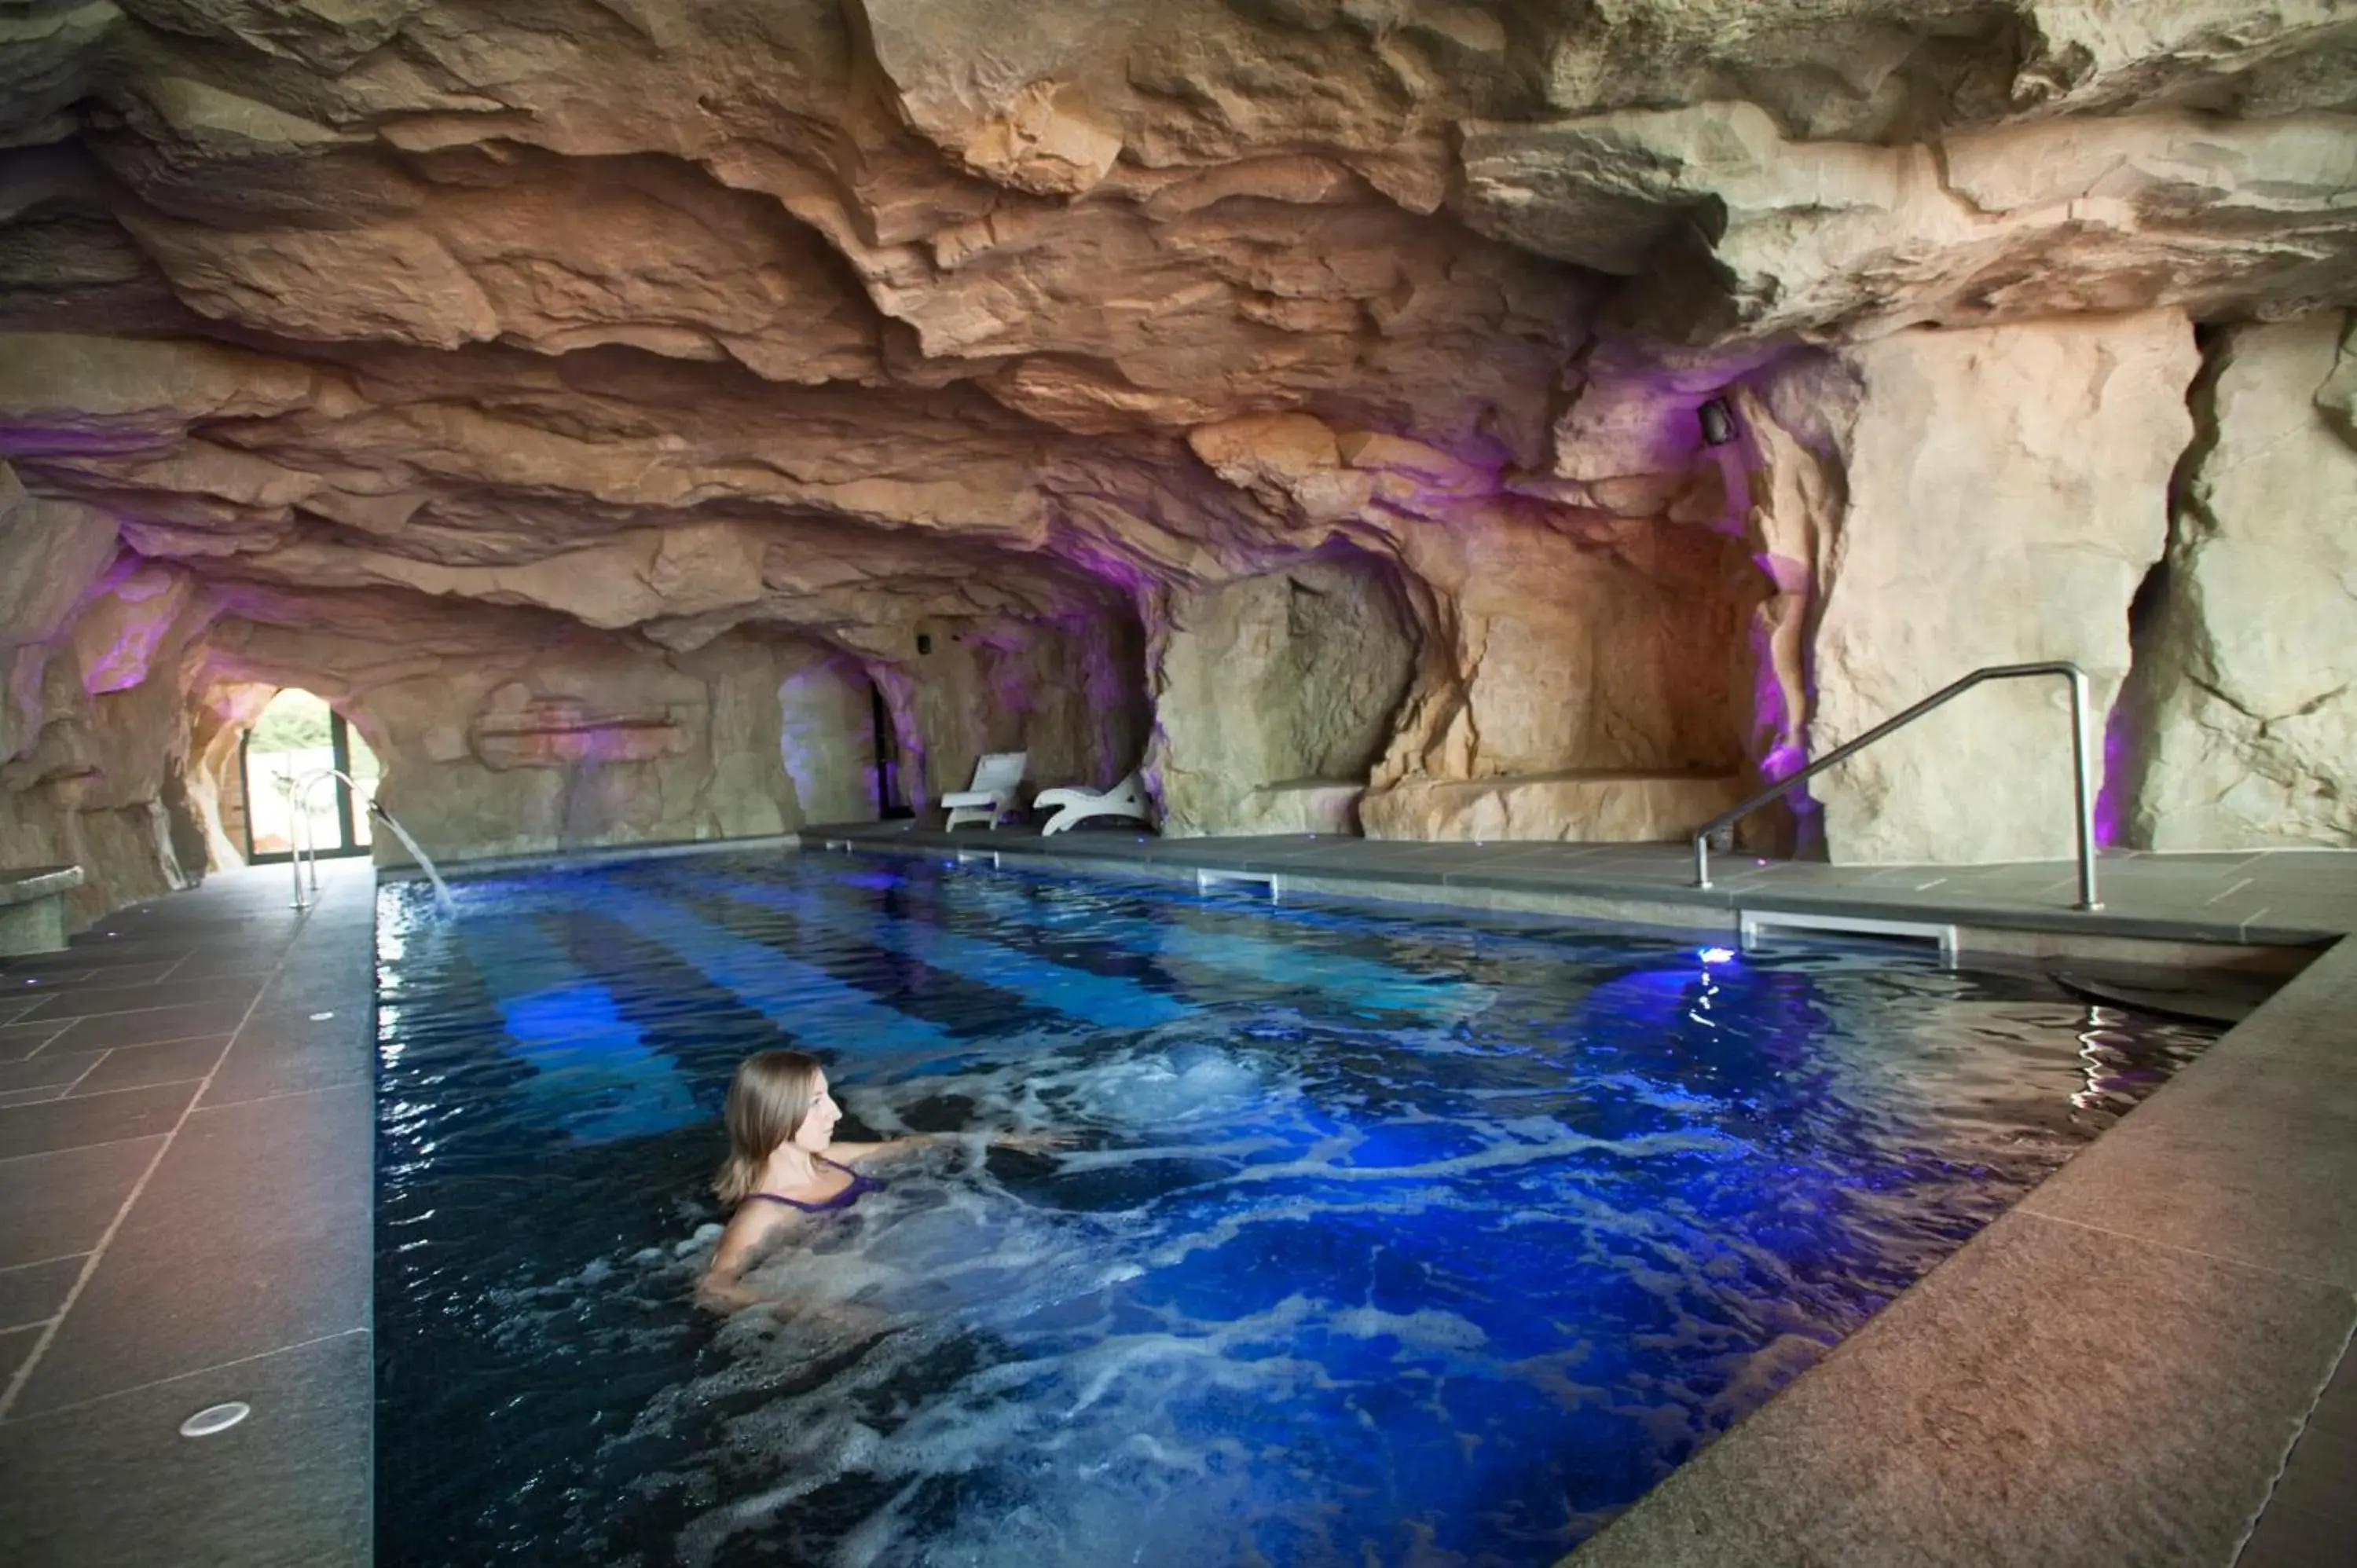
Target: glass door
[{"x": 291, "y": 797}]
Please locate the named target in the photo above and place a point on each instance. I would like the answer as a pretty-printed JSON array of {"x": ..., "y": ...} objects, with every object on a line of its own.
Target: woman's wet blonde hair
[{"x": 770, "y": 1094}]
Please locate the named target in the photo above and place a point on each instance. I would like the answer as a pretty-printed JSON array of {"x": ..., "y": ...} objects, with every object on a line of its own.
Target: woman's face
[{"x": 817, "y": 1129}]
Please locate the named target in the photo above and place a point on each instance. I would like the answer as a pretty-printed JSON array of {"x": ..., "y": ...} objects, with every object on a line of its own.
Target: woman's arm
[
  {"x": 1028, "y": 1142},
  {"x": 751, "y": 1232},
  {"x": 888, "y": 1148}
]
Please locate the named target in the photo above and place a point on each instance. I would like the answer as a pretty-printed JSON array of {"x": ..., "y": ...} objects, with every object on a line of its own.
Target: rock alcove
[{"x": 603, "y": 403}]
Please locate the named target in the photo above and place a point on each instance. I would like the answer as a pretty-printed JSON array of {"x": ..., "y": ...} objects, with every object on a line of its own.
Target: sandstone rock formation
[
  {"x": 2007, "y": 490},
  {"x": 2246, "y": 721},
  {"x": 1278, "y": 695},
  {"x": 604, "y": 402}
]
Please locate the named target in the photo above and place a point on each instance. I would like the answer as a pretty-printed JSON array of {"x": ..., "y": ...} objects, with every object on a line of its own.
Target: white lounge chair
[
  {"x": 991, "y": 796},
  {"x": 1126, "y": 799}
]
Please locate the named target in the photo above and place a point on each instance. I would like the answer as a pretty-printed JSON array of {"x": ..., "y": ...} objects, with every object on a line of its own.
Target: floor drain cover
[{"x": 215, "y": 1418}]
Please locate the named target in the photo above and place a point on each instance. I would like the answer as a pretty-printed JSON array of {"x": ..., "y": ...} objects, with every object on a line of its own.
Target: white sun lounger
[
  {"x": 1126, "y": 799},
  {"x": 991, "y": 796}
]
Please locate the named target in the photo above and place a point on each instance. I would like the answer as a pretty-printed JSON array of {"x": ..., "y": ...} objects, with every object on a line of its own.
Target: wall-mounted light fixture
[{"x": 1717, "y": 422}]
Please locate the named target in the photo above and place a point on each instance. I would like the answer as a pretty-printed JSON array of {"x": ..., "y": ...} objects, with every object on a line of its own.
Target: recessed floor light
[
  {"x": 215, "y": 1418},
  {"x": 321, "y": 1017}
]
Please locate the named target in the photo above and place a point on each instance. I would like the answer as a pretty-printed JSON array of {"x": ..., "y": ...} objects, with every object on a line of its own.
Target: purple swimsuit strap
[{"x": 844, "y": 1199}]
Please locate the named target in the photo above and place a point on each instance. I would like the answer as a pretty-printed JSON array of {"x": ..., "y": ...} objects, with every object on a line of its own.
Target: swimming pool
[{"x": 1388, "y": 1236}]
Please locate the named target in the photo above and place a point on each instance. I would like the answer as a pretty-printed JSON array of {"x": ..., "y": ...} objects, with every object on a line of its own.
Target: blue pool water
[{"x": 1385, "y": 1237}]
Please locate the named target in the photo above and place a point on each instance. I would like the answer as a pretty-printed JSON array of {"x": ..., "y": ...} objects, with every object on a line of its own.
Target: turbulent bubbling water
[{"x": 1382, "y": 1239}]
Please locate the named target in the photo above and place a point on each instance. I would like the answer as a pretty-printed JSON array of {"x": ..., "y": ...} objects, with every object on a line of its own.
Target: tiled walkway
[
  {"x": 2254, "y": 897},
  {"x": 184, "y": 1178}
]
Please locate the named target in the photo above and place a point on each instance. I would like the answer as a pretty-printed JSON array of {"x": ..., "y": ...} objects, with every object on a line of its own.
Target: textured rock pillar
[
  {"x": 2246, "y": 719},
  {"x": 1275, "y": 696},
  {"x": 2007, "y": 492}
]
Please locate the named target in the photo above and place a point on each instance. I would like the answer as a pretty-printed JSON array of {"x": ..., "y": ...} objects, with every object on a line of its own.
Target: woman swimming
[{"x": 781, "y": 1122}]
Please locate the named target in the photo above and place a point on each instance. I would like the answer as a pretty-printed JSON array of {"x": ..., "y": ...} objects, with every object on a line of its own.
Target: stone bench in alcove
[{"x": 33, "y": 909}]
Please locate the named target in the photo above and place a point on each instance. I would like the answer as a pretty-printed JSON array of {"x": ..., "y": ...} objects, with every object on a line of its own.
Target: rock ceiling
[{"x": 681, "y": 315}]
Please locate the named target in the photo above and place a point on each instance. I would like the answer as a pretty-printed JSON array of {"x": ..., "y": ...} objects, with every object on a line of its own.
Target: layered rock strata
[{"x": 661, "y": 422}]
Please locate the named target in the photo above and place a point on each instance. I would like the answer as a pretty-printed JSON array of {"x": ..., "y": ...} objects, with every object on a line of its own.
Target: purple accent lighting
[{"x": 2110, "y": 808}]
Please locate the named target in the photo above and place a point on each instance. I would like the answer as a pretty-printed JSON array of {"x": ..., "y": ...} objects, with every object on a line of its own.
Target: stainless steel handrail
[
  {"x": 2083, "y": 776},
  {"x": 299, "y": 798},
  {"x": 300, "y": 793}
]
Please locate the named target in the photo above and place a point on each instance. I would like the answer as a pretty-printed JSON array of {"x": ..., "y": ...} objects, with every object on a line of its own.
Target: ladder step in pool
[{"x": 1753, "y": 924}]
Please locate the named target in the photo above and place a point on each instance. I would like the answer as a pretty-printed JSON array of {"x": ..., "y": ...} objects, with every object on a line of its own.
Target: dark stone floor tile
[
  {"x": 229, "y": 958},
  {"x": 34, "y": 1292},
  {"x": 17, "y": 1001},
  {"x": 32, "y": 1096},
  {"x": 51, "y": 1069},
  {"x": 82, "y": 960},
  {"x": 113, "y": 976},
  {"x": 2291, "y": 1537},
  {"x": 26, "y": 975},
  {"x": 2050, "y": 1395},
  {"x": 1404, "y": 875},
  {"x": 2321, "y": 1475},
  {"x": 287, "y": 1487},
  {"x": 94, "y": 1119},
  {"x": 51, "y": 1205},
  {"x": 150, "y": 1025},
  {"x": 134, "y": 1067},
  {"x": 2336, "y": 1408},
  {"x": 292, "y": 1053},
  {"x": 247, "y": 1259},
  {"x": 15, "y": 1346},
  {"x": 100, "y": 956},
  {"x": 91, "y": 1001}
]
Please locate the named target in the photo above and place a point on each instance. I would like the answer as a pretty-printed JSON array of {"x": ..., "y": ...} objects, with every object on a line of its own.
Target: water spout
[
  {"x": 441, "y": 888},
  {"x": 301, "y": 796}
]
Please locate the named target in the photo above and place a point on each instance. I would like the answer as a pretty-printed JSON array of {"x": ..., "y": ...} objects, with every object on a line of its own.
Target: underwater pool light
[{"x": 1716, "y": 955}]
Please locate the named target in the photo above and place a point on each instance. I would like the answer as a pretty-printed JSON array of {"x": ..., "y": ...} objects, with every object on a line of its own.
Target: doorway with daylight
[{"x": 295, "y": 759}]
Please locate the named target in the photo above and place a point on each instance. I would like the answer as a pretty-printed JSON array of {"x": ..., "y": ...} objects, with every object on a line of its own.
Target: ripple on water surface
[{"x": 1384, "y": 1238}]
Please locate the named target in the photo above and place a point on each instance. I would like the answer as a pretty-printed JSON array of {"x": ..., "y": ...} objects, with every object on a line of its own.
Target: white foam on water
[
  {"x": 1244, "y": 1312},
  {"x": 973, "y": 1343}
]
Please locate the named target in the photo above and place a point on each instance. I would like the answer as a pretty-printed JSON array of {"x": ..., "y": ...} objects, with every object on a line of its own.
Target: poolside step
[
  {"x": 2208, "y": 998},
  {"x": 1754, "y": 924},
  {"x": 1205, "y": 880}
]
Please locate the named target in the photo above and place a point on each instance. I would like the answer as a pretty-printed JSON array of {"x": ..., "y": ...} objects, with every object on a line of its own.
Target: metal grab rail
[
  {"x": 299, "y": 797},
  {"x": 2082, "y": 770}
]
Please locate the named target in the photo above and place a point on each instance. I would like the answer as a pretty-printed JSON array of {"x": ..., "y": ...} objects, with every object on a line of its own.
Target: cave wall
[
  {"x": 222, "y": 713},
  {"x": 1275, "y": 696},
  {"x": 743, "y": 344},
  {"x": 520, "y": 733},
  {"x": 1589, "y": 687},
  {"x": 2007, "y": 492},
  {"x": 2241, "y": 728},
  {"x": 93, "y": 721},
  {"x": 1069, "y": 692}
]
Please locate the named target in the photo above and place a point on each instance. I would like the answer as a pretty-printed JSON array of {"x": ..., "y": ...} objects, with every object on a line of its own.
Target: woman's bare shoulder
[{"x": 755, "y": 1225}]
